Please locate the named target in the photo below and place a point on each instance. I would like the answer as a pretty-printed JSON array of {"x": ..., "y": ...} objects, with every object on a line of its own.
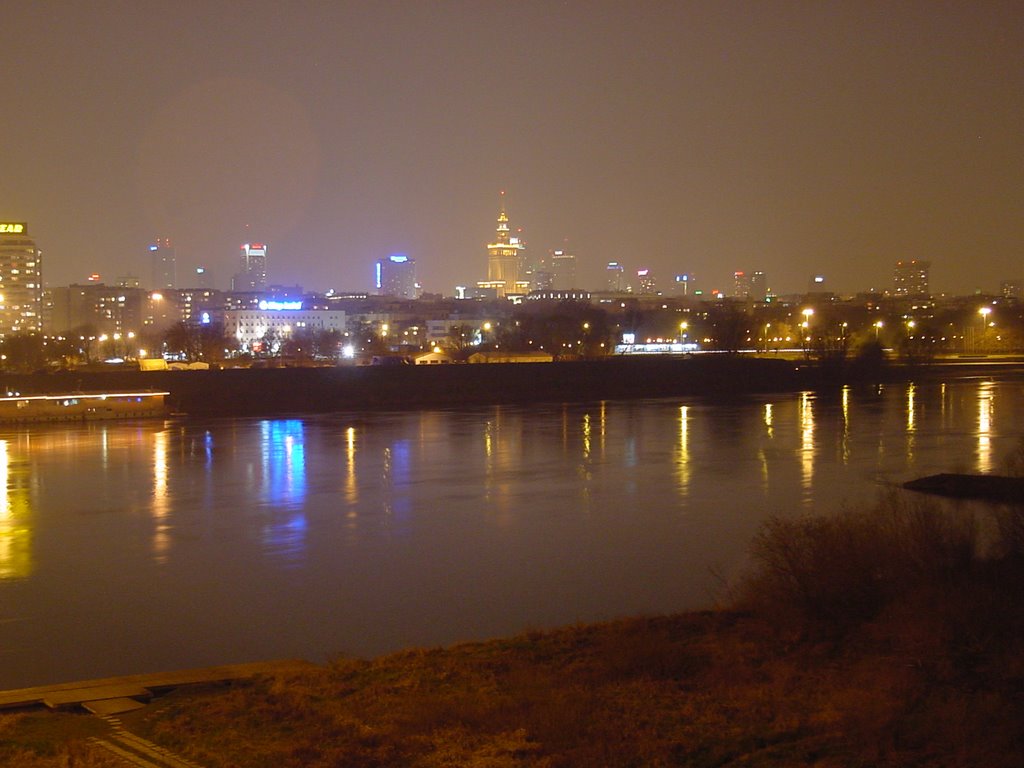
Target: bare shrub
[{"x": 845, "y": 569}]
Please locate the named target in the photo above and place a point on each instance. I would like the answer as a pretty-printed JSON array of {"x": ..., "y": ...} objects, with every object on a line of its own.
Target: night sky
[{"x": 791, "y": 137}]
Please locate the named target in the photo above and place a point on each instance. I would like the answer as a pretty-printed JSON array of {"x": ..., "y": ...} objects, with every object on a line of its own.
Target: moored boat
[{"x": 81, "y": 406}]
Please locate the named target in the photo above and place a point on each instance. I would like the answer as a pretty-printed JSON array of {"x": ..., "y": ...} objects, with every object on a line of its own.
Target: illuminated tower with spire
[{"x": 503, "y": 257}]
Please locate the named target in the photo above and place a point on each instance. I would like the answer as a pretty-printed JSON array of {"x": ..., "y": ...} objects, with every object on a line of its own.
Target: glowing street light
[{"x": 878, "y": 327}]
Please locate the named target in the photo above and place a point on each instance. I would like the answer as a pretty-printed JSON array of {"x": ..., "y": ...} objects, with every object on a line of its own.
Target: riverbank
[
  {"x": 264, "y": 392},
  {"x": 887, "y": 637}
]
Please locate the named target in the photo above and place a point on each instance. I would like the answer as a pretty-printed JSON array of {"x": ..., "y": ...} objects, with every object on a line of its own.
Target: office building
[
  {"x": 563, "y": 271},
  {"x": 647, "y": 285},
  {"x": 614, "y": 277},
  {"x": 396, "y": 276},
  {"x": 99, "y": 307},
  {"x": 279, "y": 319},
  {"x": 911, "y": 278},
  {"x": 162, "y": 265},
  {"x": 253, "y": 273},
  {"x": 21, "y": 282},
  {"x": 750, "y": 285}
]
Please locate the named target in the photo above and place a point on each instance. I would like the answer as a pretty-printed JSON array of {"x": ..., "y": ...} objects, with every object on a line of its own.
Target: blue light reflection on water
[{"x": 283, "y": 488}]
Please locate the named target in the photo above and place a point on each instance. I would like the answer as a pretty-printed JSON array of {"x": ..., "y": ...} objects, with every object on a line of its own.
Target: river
[{"x": 155, "y": 545}]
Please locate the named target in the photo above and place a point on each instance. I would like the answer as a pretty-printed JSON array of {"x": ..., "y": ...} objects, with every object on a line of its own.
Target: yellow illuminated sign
[{"x": 13, "y": 228}]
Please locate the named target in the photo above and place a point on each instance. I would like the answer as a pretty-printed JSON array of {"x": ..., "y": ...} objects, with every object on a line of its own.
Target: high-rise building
[
  {"x": 1012, "y": 289},
  {"x": 563, "y": 271},
  {"x": 504, "y": 256},
  {"x": 750, "y": 285},
  {"x": 647, "y": 282},
  {"x": 396, "y": 276},
  {"x": 911, "y": 278},
  {"x": 740, "y": 285},
  {"x": 162, "y": 266},
  {"x": 201, "y": 278},
  {"x": 614, "y": 274},
  {"x": 21, "y": 282},
  {"x": 253, "y": 273}
]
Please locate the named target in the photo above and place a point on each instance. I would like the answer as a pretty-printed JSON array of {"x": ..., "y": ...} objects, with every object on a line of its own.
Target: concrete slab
[
  {"x": 106, "y": 707},
  {"x": 74, "y": 696},
  {"x": 28, "y": 697}
]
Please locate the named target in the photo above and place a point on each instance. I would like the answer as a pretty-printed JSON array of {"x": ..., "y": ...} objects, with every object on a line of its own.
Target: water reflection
[
  {"x": 986, "y": 405},
  {"x": 911, "y": 409},
  {"x": 807, "y": 445},
  {"x": 351, "y": 487},
  {"x": 161, "y": 500},
  {"x": 683, "y": 450},
  {"x": 431, "y": 527},
  {"x": 15, "y": 516},
  {"x": 283, "y": 488}
]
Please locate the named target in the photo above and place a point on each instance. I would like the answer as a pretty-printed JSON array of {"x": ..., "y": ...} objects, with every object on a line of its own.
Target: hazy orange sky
[{"x": 791, "y": 137}]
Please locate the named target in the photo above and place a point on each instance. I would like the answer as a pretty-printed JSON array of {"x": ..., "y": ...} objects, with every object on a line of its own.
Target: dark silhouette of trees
[
  {"x": 23, "y": 352},
  {"x": 194, "y": 341}
]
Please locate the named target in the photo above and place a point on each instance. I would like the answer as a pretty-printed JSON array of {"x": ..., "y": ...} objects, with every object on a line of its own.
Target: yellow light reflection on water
[
  {"x": 806, "y": 444},
  {"x": 683, "y": 449},
  {"x": 846, "y": 425},
  {"x": 15, "y": 509},
  {"x": 985, "y": 410},
  {"x": 351, "y": 487},
  {"x": 586, "y": 436},
  {"x": 911, "y": 413},
  {"x": 161, "y": 502},
  {"x": 911, "y": 419}
]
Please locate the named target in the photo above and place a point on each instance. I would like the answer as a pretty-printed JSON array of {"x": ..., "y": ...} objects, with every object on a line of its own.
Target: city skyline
[{"x": 684, "y": 138}]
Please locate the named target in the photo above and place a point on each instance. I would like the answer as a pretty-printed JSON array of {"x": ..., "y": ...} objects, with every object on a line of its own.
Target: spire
[{"x": 503, "y": 236}]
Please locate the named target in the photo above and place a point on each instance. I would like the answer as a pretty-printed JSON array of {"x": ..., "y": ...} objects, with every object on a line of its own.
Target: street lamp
[
  {"x": 682, "y": 330},
  {"x": 878, "y": 326},
  {"x": 984, "y": 312}
]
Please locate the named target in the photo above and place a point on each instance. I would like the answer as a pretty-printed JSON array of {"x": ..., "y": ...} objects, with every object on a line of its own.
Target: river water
[{"x": 154, "y": 545}]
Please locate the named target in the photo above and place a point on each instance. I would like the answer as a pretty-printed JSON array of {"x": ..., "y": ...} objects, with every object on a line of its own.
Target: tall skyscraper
[
  {"x": 740, "y": 285},
  {"x": 201, "y": 278},
  {"x": 758, "y": 285},
  {"x": 504, "y": 256},
  {"x": 253, "y": 273},
  {"x": 614, "y": 274},
  {"x": 21, "y": 281},
  {"x": 396, "y": 276},
  {"x": 648, "y": 286},
  {"x": 750, "y": 285},
  {"x": 162, "y": 266},
  {"x": 911, "y": 278},
  {"x": 563, "y": 271}
]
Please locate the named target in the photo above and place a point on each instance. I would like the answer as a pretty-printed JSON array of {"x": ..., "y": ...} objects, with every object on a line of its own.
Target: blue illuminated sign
[
  {"x": 277, "y": 306},
  {"x": 398, "y": 258}
]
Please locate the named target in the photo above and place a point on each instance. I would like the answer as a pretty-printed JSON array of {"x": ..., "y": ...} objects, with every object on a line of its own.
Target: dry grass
[{"x": 52, "y": 740}]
